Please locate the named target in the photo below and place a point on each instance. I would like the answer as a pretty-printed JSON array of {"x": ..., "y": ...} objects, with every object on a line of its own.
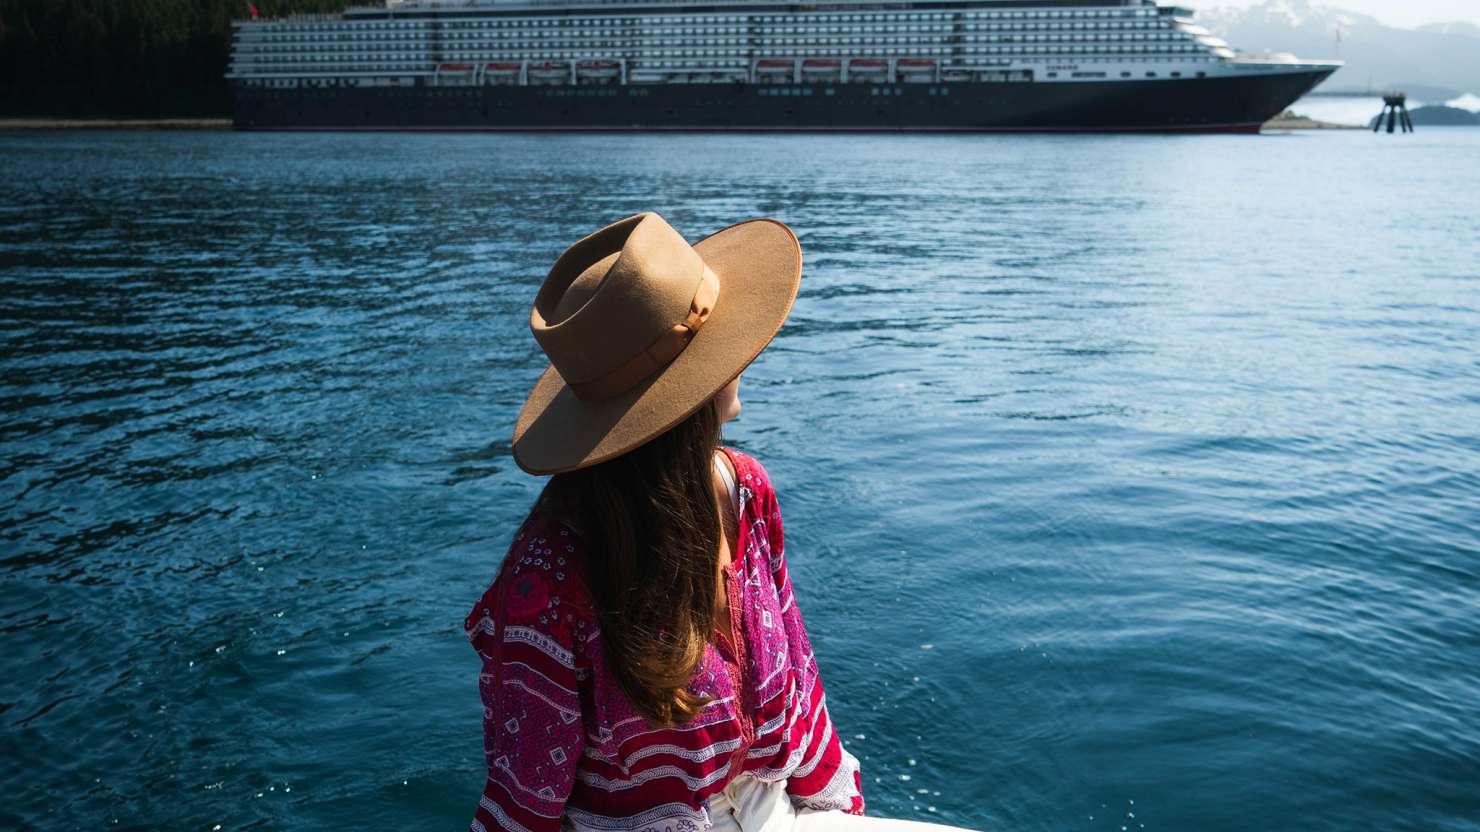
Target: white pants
[{"x": 751, "y": 805}]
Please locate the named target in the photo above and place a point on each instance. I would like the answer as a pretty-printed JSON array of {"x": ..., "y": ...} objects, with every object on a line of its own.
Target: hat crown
[
  {"x": 749, "y": 274},
  {"x": 612, "y": 294}
]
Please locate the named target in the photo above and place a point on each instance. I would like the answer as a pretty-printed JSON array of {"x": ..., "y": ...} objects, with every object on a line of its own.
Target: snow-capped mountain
[
  {"x": 1433, "y": 62},
  {"x": 1456, "y": 28},
  {"x": 1293, "y": 14}
]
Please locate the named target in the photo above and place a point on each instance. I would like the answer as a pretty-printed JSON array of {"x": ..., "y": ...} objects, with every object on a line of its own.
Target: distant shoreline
[
  {"x": 115, "y": 124},
  {"x": 225, "y": 124}
]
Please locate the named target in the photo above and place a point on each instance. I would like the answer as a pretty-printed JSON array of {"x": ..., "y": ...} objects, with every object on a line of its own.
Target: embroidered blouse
[{"x": 566, "y": 749}]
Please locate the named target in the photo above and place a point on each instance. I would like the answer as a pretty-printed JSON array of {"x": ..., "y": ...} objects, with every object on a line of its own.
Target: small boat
[
  {"x": 822, "y": 68},
  {"x": 868, "y": 69},
  {"x": 915, "y": 70},
  {"x": 501, "y": 73},
  {"x": 598, "y": 70},
  {"x": 773, "y": 66},
  {"x": 550, "y": 72}
]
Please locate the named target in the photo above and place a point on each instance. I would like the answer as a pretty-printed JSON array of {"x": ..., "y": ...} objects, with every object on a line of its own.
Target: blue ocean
[{"x": 1131, "y": 483}]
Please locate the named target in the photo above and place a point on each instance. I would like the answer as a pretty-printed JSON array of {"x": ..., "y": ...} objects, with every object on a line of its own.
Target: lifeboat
[
  {"x": 502, "y": 73},
  {"x": 598, "y": 70},
  {"x": 915, "y": 70},
  {"x": 955, "y": 75},
  {"x": 868, "y": 69},
  {"x": 772, "y": 66},
  {"x": 550, "y": 72},
  {"x": 822, "y": 67}
]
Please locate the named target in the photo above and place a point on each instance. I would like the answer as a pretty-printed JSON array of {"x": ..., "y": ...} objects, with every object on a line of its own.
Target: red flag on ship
[{"x": 253, "y": 9}]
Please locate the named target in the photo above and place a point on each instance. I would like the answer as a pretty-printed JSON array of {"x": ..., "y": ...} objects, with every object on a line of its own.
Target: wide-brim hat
[{"x": 642, "y": 328}]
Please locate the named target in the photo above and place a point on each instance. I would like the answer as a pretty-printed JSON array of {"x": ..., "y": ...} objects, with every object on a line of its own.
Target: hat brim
[{"x": 759, "y": 265}]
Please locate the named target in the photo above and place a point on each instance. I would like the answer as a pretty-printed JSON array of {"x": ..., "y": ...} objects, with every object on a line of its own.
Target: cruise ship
[{"x": 865, "y": 65}]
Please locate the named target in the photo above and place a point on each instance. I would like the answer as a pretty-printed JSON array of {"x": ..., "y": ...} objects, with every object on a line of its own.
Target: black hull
[{"x": 1228, "y": 105}]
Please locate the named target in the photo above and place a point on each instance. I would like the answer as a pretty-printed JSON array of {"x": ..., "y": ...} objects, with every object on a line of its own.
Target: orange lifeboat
[
  {"x": 501, "y": 73},
  {"x": 557, "y": 72},
  {"x": 598, "y": 70},
  {"x": 869, "y": 70},
  {"x": 821, "y": 69},
  {"x": 915, "y": 69},
  {"x": 774, "y": 66}
]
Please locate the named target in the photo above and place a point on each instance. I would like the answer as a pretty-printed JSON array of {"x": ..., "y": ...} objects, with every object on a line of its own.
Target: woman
[{"x": 645, "y": 666}]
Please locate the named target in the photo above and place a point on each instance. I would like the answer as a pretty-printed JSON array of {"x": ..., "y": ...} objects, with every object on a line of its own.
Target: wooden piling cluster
[{"x": 1395, "y": 109}]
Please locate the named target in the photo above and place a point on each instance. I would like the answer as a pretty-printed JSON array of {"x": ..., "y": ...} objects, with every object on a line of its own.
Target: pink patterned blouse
[{"x": 566, "y": 749}]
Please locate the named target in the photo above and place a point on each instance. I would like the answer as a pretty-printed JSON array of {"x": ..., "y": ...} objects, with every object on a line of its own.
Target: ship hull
[{"x": 1220, "y": 104}]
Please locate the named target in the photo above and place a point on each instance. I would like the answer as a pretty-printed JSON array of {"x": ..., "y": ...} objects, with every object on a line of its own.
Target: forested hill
[{"x": 140, "y": 58}]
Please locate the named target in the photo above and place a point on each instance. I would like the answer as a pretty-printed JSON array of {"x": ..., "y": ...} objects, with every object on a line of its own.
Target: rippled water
[{"x": 1129, "y": 482}]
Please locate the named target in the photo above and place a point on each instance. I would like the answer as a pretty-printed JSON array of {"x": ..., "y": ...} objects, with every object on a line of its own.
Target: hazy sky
[{"x": 1391, "y": 12}]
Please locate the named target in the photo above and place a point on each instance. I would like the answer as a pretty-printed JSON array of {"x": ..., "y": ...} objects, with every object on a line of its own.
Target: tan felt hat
[{"x": 642, "y": 328}]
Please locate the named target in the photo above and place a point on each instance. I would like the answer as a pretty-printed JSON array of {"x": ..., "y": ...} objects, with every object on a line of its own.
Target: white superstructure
[{"x": 496, "y": 42}]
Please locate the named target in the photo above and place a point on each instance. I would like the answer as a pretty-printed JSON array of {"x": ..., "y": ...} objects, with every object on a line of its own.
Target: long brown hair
[{"x": 652, "y": 530}]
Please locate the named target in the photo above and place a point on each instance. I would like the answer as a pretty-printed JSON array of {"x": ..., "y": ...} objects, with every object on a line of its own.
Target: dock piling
[{"x": 1395, "y": 111}]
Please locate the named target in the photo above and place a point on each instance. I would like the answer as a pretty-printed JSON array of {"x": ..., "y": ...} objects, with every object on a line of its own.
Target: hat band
[{"x": 658, "y": 354}]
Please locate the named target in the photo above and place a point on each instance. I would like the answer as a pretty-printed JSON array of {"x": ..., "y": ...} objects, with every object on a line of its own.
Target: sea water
[{"x": 1129, "y": 482}]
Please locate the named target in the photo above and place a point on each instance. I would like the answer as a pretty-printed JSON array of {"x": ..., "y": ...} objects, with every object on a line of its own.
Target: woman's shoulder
[
  {"x": 749, "y": 472},
  {"x": 539, "y": 588}
]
